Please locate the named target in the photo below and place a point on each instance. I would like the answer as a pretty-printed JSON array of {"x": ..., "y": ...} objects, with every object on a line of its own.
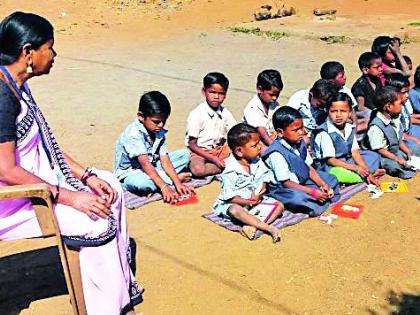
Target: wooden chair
[{"x": 41, "y": 200}]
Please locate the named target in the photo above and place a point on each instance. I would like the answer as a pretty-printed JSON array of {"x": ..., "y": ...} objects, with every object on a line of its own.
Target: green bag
[{"x": 344, "y": 176}]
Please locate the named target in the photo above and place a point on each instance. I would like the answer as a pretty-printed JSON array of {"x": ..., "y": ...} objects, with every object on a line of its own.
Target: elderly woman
[{"x": 88, "y": 203}]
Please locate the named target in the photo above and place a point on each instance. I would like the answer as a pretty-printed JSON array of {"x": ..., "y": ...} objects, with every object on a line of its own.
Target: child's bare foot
[
  {"x": 379, "y": 172},
  {"x": 275, "y": 233},
  {"x": 249, "y": 231},
  {"x": 185, "y": 177}
]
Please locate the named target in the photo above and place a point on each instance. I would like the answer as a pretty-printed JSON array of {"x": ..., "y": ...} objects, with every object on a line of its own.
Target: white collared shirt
[
  {"x": 376, "y": 137},
  {"x": 280, "y": 168},
  {"x": 325, "y": 146},
  {"x": 208, "y": 126},
  {"x": 255, "y": 115}
]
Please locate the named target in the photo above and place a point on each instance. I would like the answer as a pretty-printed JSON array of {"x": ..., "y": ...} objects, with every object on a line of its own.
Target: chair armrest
[{"x": 26, "y": 191}]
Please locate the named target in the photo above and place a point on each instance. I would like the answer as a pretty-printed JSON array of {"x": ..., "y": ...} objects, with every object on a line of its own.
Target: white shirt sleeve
[
  {"x": 230, "y": 120},
  {"x": 376, "y": 138},
  {"x": 324, "y": 146},
  {"x": 355, "y": 145},
  {"x": 309, "y": 159},
  {"x": 193, "y": 124},
  {"x": 295, "y": 100},
  {"x": 279, "y": 167},
  {"x": 254, "y": 117}
]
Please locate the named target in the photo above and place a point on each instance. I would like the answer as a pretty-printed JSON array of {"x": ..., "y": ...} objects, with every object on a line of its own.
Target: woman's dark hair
[
  {"x": 285, "y": 116},
  {"x": 268, "y": 79},
  {"x": 330, "y": 70},
  {"x": 324, "y": 90},
  {"x": 380, "y": 45},
  {"x": 397, "y": 80},
  {"x": 154, "y": 103},
  {"x": 417, "y": 77},
  {"x": 340, "y": 97},
  {"x": 385, "y": 95},
  {"x": 239, "y": 135},
  {"x": 19, "y": 29},
  {"x": 215, "y": 78},
  {"x": 366, "y": 59}
]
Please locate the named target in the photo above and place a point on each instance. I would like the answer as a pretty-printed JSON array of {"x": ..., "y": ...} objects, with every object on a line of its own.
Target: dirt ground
[{"x": 110, "y": 52}]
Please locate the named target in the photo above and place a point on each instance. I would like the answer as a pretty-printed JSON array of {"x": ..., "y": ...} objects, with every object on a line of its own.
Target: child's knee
[
  {"x": 235, "y": 210},
  {"x": 197, "y": 167}
]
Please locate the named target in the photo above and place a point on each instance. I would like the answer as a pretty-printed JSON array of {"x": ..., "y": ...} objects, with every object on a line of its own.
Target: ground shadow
[
  {"x": 30, "y": 276},
  {"x": 400, "y": 304}
]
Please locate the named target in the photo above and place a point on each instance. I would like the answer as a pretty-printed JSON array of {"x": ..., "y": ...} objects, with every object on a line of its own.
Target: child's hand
[
  {"x": 373, "y": 180},
  {"x": 260, "y": 195},
  {"x": 319, "y": 195},
  {"x": 402, "y": 162},
  {"x": 185, "y": 190},
  {"x": 327, "y": 189},
  {"x": 362, "y": 171},
  {"x": 394, "y": 46},
  {"x": 169, "y": 195},
  {"x": 219, "y": 163}
]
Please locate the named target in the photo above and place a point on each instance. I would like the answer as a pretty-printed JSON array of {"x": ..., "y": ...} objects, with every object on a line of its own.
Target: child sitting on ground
[
  {"x": 295, "y": 182},
  {"x": 411, "y": 131},
  {"x": 364, "y": 88},
  {"x": 142, "y": 161},
  {"x": 336, "y": 149},
  {"x": 310, "y": 103},
  {"x": 385, "y": 133},
  {"x": 414, "y": 95},
  {"x": 243, "y": 184},
  {"x": 333, "y": 71},
  {"x": 207, "y": 127},
  {"x": 259, "y": 111}
]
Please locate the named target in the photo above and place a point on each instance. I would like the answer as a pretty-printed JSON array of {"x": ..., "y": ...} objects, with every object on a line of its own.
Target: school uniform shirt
[
  {"x": 311, "y": 116},
  {"x": 325, "y": 146},
  {"x": 279, "y": 167},
  {"x": 362, "y": 88},
  {"x": 209, "y": 126},
  {"x": 136, "y": 141},
  {"x": 406, "y": 113},
  {"x": 237, "y": 182},
  {"x": 415, "y": 99},
  {"x": 376, "y": 137},
  {"x": 255, "y": 115}
]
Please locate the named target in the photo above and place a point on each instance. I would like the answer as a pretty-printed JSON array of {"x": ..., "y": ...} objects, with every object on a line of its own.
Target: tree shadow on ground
[
  {"x": 400, "y": 304},
  {"x": 30, "y": 276}
]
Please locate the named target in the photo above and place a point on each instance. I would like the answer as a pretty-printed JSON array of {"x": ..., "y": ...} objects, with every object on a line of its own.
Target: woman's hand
[
  {"x": 362, "y": 171},
  {"x": 93, "y": 205},
  {"x": 102, "y": 189}
]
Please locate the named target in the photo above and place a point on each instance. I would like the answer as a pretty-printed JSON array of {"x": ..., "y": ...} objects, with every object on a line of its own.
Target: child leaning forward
[
  {"x": 243, "y": 185},
  {"x": 336, "y": 149},
  {"x": 142, "y": 161},
  {"x": 295, "y": 182}
]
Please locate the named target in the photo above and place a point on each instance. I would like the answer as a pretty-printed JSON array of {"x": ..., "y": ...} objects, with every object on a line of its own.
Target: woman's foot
[
  {"x": 249, "y": 231},
  {"x": 185, "y": 177},
  {"x": 275, "y": 233}
]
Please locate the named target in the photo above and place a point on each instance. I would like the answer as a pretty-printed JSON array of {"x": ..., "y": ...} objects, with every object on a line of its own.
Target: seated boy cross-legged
[
  {"x": 142, "y": 161},
  {"x": 295, "y": 182},
  {"x": 243, "y": 185}
]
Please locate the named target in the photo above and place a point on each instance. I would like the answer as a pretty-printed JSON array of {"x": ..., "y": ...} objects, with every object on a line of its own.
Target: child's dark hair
[
  {"x": 330, "y": 70},
  {"x": 215, "y": 78},
  {"x": 284, "y": 116},
  {"x": 324, "y": 90},
  {"x": 268, "y": 79},
  {"x": 417, "y": 77},
  {"x": 154, "y": 103},
  {"x": 340, "y": 97},
  {"x": 381, "y": 43},
  {"x": 408, "y": 61},
  {"x": 239, "y": 135},
  {"x": 19, "y": 29},
  {"x": 397, "y": 81},
  {"x": 385, "y": 95},
  {"x": 366, "y": 59}
]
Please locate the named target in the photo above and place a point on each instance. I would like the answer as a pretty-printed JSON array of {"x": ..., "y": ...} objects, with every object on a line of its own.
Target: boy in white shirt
[
  {"x": 259, "y": 110},
  {"x": 207, "y": 128}
]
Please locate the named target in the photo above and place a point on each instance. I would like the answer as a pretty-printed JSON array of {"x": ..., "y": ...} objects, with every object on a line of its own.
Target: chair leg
[{"x": 76, "y": 280}]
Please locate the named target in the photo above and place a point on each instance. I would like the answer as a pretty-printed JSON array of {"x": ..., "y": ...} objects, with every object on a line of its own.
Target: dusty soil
[{"x": 112, "y": 51}]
